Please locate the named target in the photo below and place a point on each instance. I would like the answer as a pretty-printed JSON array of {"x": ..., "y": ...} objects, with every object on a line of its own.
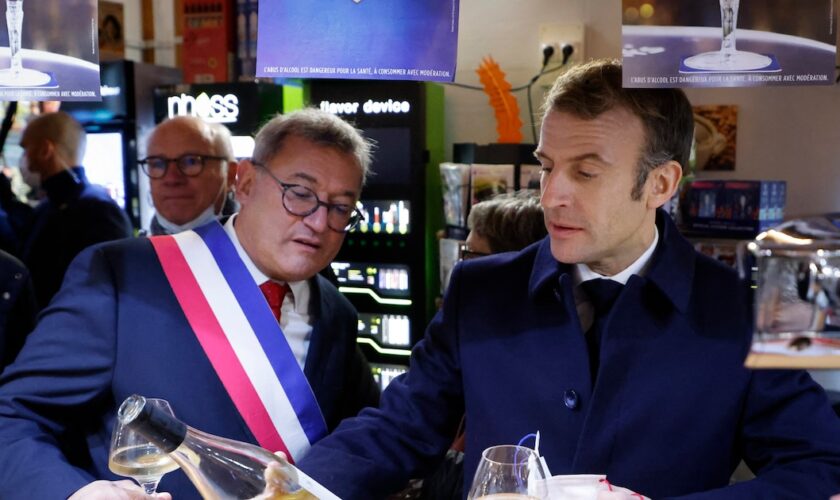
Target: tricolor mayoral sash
[{"x": 238, "y": 332}]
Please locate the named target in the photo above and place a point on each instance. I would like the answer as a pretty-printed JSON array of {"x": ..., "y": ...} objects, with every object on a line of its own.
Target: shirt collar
[
  {"x": 582, "y": 272},
  {"x": 300, "y": 289},
  {"x": 670, "y": 268},
  {"x": 673, "y": 263}
]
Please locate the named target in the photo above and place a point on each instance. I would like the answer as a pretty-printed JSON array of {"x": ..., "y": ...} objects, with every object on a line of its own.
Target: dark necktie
[
  {"x": 602, "y": 294},
  {"x": 274, "y": 294}
]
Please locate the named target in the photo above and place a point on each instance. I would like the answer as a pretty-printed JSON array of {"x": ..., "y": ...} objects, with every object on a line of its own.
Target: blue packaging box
[{"x": 731, "y": 208}]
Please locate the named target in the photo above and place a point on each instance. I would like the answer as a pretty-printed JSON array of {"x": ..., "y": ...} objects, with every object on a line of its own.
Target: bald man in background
[
  {"x": 191, "y": 171},
  {"x": 75, "y": 213}
]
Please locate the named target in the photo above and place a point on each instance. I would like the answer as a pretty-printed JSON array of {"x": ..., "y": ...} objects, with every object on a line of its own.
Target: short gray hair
[{"x": 319, "y": 127}]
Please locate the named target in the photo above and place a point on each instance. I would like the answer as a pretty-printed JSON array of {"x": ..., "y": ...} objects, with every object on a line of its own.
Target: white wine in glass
[
  {"x": 133, "y": 456},
  {"x": 17, "y": 75},
  {"x": 509, "y": 472},
  {"x": 728, "y": 58}
]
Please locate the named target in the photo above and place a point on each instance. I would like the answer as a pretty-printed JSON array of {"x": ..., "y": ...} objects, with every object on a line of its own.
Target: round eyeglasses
[
  {"x": 464, "y": 252},
  {"x": 189, "y": 164},
  {"x": 302, "y": 201}
]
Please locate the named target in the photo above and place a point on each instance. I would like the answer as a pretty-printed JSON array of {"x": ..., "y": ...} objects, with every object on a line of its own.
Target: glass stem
[
  {"x": 729, "y": 20},
  {"x": 149, "y": 485},
  {"x": 14, "y": 25}
]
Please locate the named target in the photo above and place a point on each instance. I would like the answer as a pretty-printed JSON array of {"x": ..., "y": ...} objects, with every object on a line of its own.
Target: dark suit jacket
[
  {"x": 75, "y": 215},
  {"x": 115, "y": 329},
  {"x": 672, "y": 413},
  {"x": 17, "y": 307}
]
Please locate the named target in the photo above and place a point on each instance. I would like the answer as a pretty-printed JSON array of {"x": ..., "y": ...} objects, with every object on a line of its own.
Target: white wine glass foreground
[{"x": 134, "y": 456}]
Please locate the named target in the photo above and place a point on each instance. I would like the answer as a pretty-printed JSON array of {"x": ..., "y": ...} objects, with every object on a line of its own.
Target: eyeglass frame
[
  {"x": 285, "y": 186},
  {"x": 464, "y": 252},
  {"x": 202, "y": 160}
]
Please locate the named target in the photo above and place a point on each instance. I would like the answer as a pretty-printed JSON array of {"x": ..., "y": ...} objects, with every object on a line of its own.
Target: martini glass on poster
[
  {"x": 728, "y": 58},
  {"x": 17, "y": 75}
]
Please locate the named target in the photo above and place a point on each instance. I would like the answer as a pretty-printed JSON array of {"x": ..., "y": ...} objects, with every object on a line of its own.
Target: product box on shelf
[
  {"x": 732, "y": 208},
  {"x": 208, "y": 41},
  {"x": 246, "y": 39}
]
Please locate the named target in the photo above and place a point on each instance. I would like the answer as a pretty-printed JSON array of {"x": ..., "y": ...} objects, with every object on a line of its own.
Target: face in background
[
  {"x": 478, "y": 244},
  {"x": 34, "y": 150},
  {"x": 178, "y": 198},
  {"x": 41, "y": 154},
  {"x": 589, "y": 170},
  {"x": 284, "y": 246}
]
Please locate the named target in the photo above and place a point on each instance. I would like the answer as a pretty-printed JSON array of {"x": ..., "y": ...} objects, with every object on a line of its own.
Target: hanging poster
[
  {"x": 358, "y": 39},
  {"x": 728, "y": 43},
  {"x": 49, "y": 50}
]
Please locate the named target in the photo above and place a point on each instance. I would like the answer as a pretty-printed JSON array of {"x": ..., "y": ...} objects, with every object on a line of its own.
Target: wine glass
[
  {"x": 728, "y": 58},
  {"x": 17, "y": 75},
  {"x": 509, "y": 472},
  {"x": 134, "y": 456}
]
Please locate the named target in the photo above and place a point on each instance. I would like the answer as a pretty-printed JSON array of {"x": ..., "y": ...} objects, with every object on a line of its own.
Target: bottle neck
[{"x": 160, "y": 428}]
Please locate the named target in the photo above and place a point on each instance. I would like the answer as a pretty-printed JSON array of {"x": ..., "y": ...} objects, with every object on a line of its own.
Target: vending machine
[
  {"x": 117, "y": 128},
  {"x": 387, "y": 266}
]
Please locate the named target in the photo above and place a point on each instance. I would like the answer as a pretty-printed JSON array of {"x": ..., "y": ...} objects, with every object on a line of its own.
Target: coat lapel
[{"x": 322, "y": 308}]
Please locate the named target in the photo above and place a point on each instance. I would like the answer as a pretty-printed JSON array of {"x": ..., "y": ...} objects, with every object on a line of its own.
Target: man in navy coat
[
  {"x": 75, "y": 214},
  {"x": 118, "y": 327},
  {"x": 650, "y": 390}
]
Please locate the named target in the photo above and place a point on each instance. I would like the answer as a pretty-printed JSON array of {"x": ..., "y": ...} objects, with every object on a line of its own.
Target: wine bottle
[{"x": 220, "y": 468}]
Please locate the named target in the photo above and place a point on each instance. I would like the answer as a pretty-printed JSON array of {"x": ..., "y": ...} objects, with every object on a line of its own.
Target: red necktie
[{"x": 274, "y": 294}]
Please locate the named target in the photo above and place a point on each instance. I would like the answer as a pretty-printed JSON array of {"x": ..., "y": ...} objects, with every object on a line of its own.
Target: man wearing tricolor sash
[{"x": 229, "y": 322}]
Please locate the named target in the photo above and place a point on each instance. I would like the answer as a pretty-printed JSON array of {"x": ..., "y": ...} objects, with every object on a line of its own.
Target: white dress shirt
[
  {"x": 294, "y": 312},
  {"x": 582, "y": 273}
]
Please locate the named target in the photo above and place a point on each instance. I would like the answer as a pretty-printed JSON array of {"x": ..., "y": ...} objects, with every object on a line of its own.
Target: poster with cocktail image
[
  {"x": 715, "y": 137},
  {"x": 49, "y": 50},
  {"x": 728, "y": 43}
]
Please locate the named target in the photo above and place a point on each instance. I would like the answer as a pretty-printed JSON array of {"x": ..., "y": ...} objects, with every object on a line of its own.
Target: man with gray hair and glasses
[
  {"x": 229, "y": 323},
  {"x": 191, "y": 170}
]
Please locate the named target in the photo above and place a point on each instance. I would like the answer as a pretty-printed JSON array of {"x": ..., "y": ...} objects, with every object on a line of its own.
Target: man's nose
[
  {"x": 556, "y": 190},
  {"x": 173, "y": 173},
  {"x": 317, "y": 220}
]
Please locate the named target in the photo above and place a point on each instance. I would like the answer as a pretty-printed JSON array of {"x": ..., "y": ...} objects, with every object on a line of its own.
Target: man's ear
[
  {"x": 231, "y": 173},
  {"x": 44, "y": 150},
  {"x": 244, "y": 174},
  {"x": 663, "y": 181}
]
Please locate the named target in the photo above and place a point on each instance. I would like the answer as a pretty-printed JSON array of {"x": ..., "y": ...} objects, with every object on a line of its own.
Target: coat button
[
  {"x": 18, "y": 276},
  {"x": 7, "y": 296},
  {"x": 571, "y": 399}
]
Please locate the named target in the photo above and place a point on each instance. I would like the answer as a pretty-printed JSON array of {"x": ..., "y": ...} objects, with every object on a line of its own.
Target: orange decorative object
[{"x": 504, "y": 104}]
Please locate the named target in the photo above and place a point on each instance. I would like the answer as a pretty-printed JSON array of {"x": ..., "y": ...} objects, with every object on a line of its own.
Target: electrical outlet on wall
[{"x": 556, "y": 35}]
